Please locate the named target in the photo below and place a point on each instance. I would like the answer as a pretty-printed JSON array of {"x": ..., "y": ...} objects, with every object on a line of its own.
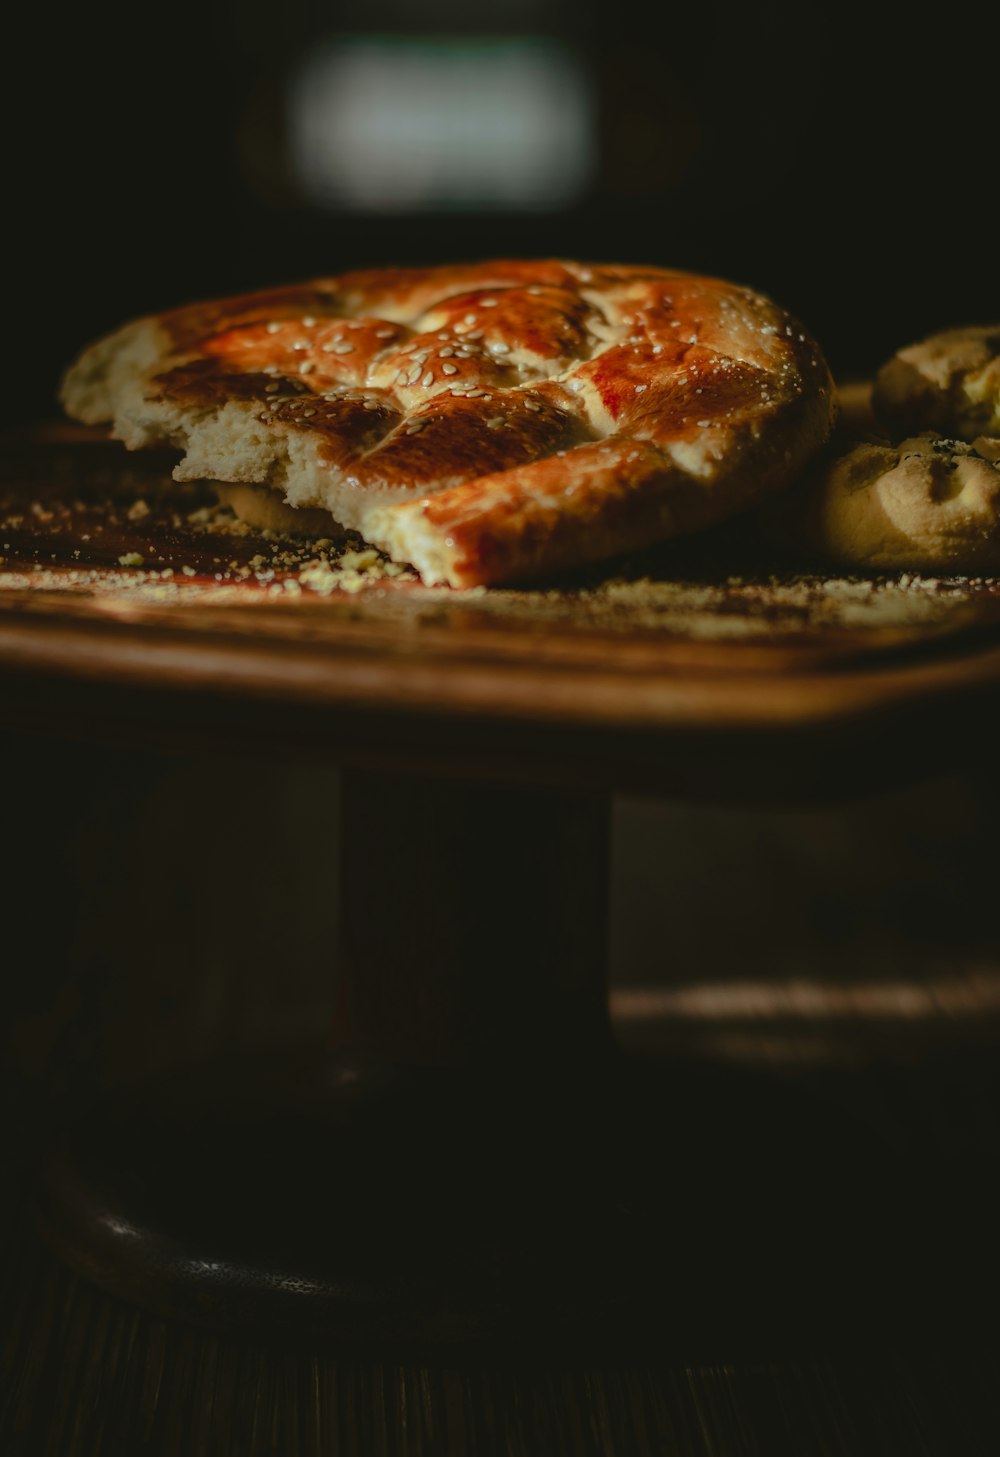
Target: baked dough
[
  {"x": 488, "y": 422},
  {"x": 925, "y": 504},
  {"x": 931, "y": 502},
  {"x": 949, "y": 382},
  {"x": 266, "y": 510}
]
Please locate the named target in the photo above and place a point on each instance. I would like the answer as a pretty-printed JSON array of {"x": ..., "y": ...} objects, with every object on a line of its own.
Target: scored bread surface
[{"x": 487, "y": 422}]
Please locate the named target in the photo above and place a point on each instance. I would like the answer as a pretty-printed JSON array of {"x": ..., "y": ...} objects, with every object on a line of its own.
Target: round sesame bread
[
  {"x": 949, "y": 382},
  {"x": 488, "y": 422}
]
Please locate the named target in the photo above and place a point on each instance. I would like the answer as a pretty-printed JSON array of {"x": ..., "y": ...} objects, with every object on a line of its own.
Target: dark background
[{"x": 844, "y": 167}]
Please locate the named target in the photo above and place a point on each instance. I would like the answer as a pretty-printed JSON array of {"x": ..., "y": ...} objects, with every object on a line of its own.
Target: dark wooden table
[{"x": 736, "y": 691}]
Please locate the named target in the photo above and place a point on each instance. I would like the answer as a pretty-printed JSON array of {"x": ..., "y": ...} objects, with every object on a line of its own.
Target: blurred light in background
[{"x": 417, "y": 125}]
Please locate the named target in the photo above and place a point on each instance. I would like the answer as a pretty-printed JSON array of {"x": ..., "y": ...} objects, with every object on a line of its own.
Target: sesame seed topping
[
  {"x": 449, "y": 369},
  {"x": 427, "y": 380}
]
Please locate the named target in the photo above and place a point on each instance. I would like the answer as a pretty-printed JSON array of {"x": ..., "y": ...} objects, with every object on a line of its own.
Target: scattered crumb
[
  {"x": 360, "y": 560},
  {"x": 200, "y": 554}
]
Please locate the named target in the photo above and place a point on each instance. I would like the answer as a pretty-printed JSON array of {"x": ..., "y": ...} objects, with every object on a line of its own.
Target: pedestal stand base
[
  {"x": 522, "y": 1182},
  {"x": 306, "y": 1193},
  {"x": 706, "y": 1211}
]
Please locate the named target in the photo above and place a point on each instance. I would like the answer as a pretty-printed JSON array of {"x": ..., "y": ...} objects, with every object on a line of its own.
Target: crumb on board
[
  {"x": 173, "y": 547},
  {"x": 176, "y": 560}
]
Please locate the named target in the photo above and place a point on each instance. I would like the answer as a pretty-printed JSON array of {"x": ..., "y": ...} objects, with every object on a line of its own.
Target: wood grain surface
[
  {"x": 124, "y": 594},
  {"x": 88, "y": 1376}
]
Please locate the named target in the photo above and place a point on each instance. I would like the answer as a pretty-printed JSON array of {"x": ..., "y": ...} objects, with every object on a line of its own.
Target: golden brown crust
[{"x": 487, "y": 422}]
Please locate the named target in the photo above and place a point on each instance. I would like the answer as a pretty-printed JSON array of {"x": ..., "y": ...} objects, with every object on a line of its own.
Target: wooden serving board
[{"x": 115, "y": 578}]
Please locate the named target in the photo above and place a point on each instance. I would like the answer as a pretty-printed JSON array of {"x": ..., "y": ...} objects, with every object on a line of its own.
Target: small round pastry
[
  {"x": 925, "y": 504},
  {"x": 950, "y": 382}
]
